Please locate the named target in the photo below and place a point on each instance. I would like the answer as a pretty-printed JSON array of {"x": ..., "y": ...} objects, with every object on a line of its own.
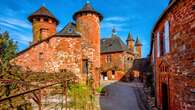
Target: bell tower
[
  {"x": 130, "y": 42},
  {"x": 43, "y": 24},
  {"x": 138, "y": 45}
]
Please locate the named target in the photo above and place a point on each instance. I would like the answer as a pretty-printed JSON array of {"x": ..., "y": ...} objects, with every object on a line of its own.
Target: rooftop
[
  {"x": 88, "y": 9},
  {"x": 42, "y": 12}
]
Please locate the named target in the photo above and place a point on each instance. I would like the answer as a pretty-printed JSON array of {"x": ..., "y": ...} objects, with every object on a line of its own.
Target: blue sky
[{"x": 135, "y": 16}]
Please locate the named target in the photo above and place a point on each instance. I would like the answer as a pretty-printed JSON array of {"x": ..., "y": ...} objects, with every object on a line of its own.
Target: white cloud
[
  {"x": 9, "y": 25},
  {"x": 116, "y": 18},
  {"x": 14, "y": 22}
]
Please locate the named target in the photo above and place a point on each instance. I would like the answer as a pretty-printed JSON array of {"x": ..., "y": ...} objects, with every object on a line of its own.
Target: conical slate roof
[
  {"x": 138, "y": 42},
  {"x": 42, "y": 12},
  {"x": 130, "y": 37},
  {"x": 87, "y": 9},
  {"x": 69, "y": 30}
]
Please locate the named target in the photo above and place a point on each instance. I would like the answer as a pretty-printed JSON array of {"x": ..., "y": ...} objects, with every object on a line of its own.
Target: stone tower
[
  {"x": 138, "y": 45},
  {"x": 130, "y": 42},
  {"x": 43, "y": 24},
  {"x": 88, "y": 24}
]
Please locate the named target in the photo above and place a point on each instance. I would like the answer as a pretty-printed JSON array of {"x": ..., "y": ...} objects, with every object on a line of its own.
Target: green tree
[{"x": 7, "y": 52}]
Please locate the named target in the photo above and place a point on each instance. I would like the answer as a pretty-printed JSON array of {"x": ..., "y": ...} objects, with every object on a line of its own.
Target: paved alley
[{"x": 121, "y": 96}]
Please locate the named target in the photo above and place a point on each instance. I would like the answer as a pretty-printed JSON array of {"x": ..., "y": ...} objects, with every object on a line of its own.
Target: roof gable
[{"x": 69, "y": 30}]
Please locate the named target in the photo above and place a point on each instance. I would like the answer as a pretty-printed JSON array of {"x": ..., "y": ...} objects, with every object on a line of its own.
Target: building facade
[
  {"x": 117, "y": 58},
  {"x": 173, "y": 55},
  {"x": 77, "y": 47}
]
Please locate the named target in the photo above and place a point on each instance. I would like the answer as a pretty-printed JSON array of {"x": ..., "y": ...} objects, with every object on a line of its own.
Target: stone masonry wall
[
  {"x": 53, "y": 55},
  {"x": 49, "y": 26},
  {"x": 121, "y": 62},
  {"x": 88, "y": 25},
  {"x": 179, "y": 71}
]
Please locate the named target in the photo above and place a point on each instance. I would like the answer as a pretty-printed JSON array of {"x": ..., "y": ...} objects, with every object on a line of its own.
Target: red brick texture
[{"x": 176, "y": 69}]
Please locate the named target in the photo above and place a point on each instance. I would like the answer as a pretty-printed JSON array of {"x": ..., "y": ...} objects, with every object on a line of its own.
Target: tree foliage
[{"x": 7, "y": 52}]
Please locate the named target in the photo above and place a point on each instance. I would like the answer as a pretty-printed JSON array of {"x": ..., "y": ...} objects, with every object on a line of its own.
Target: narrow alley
[{"x": 120, "y": 96}]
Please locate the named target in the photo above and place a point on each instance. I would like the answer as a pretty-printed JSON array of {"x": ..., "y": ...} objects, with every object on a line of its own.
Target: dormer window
[{"x": 70, "y": 30}]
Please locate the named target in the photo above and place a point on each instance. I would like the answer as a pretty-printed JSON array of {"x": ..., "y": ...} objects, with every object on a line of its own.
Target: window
[
  {"x": 162, "y": 47},
  {"x": 85, "y": 66},
  {"x": 41, "y": 56},
  {"x": 109, "y": 58},
  {"x": 166, "y": 37},
  {"x": 37, "y": 19},
  {"x": 193, "y": 7},
  {"x": 46, "y": 19},
  {"x": 158, "y": 44},
  {"x": 43, "y": 33}
]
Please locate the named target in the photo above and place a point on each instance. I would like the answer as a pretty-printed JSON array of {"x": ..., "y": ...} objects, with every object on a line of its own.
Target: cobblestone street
[{"x": 121, "y": 96}]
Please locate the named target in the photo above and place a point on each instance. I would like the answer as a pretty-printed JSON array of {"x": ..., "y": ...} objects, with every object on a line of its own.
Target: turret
[
  {"x": 138, "y": 45},
  {"x": 43, "y": 24},
  {"x": 88, "y": 24},
  {"x": 130, "y": 42}
]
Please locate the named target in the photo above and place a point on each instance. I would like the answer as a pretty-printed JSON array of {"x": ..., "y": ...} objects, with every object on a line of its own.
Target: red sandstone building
[
  {"x": 117, "y": 57},
  {"x": 173, "y": 56},
  {"x": 76, "y": 47}
]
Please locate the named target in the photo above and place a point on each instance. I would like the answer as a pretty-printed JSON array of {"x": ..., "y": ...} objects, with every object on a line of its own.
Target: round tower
[
  {"x": 43, "y": 24},
  {"x": 130, "y": 42},
  {"x": 138, "y": 45},
  {"x": 88, "y": 24}
]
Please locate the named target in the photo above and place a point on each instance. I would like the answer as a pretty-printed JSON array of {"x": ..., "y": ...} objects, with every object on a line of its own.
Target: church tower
[
  {"x": 130, "y": 42},
  {"x": 43, "y": 24},
  {"x": 88, "y": 24},
  {"x": 138, "y": 45}
]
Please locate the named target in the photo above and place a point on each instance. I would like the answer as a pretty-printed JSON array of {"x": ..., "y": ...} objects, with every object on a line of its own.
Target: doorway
[
  {"x": 165, "y": 97},
  {"x": 104, "y": 76},
  {"x": 113, "y": 75}
]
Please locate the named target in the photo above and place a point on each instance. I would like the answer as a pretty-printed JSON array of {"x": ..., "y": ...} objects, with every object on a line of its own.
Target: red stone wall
[
  {"x": 121, "y": 62},
  {"x": 88, "y": 25},
  {"x": 139, "y": 51},
  {"x": 53, "y": 55},
  {"x": 131, "y": 45},
  {"x": 179, "y": 71},
  {"x": 49, "y": 26}
]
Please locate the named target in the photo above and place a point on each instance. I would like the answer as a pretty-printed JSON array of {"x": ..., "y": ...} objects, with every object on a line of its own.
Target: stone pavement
[{"x": 121, "y": 96}]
